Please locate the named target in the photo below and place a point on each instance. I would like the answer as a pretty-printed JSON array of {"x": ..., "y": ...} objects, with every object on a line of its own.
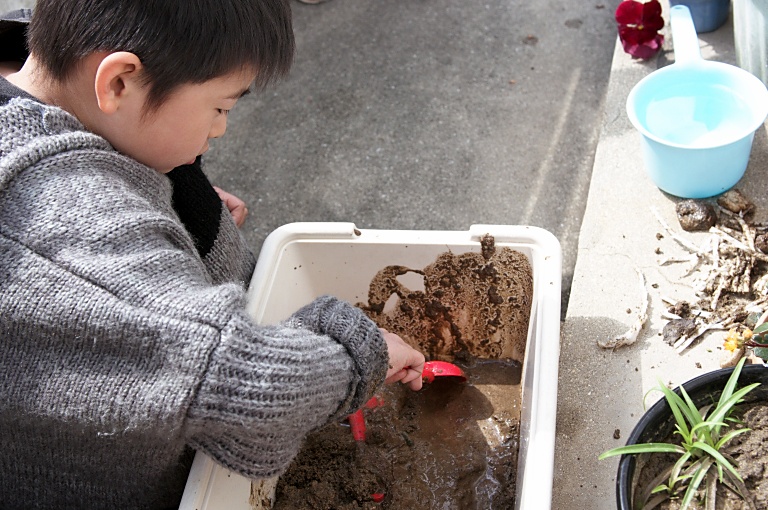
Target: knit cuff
[
  {"x": 265, "y": 389},
  {"x": 349, "y": 326}
]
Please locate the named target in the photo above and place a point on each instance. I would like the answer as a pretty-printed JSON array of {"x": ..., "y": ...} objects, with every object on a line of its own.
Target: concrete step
[{"x": 600, "y": 397}]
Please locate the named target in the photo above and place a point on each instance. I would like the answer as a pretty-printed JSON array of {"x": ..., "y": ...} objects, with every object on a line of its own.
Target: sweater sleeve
[
  {"x": 359, "y": 335},
  {"x": 267, "y": 387}
]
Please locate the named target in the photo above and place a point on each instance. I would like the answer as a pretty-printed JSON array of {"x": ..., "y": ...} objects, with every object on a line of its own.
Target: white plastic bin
[{"x": 301, "y": 261}]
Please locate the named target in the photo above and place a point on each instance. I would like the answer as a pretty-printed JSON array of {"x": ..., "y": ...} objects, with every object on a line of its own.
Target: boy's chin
[{"x": 166, "y": 170}]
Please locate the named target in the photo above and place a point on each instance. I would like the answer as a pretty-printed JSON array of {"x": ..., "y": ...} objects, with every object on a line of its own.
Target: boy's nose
[{"x": 219, "y": 127}]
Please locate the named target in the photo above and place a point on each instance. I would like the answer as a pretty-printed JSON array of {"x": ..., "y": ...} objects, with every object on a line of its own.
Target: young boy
[{"x": 124, "y": 343}]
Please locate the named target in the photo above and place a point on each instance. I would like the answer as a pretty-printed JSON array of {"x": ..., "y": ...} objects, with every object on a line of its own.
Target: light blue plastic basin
[{"x": 697, "y": 118}]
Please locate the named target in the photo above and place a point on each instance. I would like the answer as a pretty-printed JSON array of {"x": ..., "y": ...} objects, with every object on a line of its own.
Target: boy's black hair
[{"x": 178, "y": 41}]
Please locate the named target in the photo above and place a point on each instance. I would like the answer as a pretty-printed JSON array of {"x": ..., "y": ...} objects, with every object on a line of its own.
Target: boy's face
[{"x": 178, "y": 131}]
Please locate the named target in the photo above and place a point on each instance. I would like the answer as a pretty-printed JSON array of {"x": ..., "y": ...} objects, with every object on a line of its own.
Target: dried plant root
[
  {"x": 732, "y": 285},
  {"x": 730, "y": 358},
  {"x": 631, "y": 335}
]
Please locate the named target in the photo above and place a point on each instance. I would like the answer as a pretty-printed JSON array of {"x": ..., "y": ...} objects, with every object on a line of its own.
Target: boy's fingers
[
  {"x": 238, "y": 214},
  {"x": 236, "y": 206},
  {"x": 416, "y": 384},
  {"x": 413, "y": 379},
  {"x": 397, "y": 376},
  {"x": 418, "y": 364},
  {"x": 407, "y": 376}
]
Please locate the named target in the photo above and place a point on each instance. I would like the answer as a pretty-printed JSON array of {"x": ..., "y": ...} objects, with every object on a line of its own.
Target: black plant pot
[{"x": 658, "y": 423}]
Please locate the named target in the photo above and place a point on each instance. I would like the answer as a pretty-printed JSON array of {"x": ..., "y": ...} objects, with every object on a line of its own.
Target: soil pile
[{"x": 473, "y": 304}]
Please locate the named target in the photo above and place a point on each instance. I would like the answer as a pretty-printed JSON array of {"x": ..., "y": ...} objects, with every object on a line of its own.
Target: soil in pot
[
  {"x": 452, "y": 445},
  {"x": 750, "y": 451}
]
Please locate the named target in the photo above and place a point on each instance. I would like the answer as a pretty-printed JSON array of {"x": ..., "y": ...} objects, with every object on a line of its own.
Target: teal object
[
  {"x": 697, "y": 118},
  {"x": 708, "y": 15}
]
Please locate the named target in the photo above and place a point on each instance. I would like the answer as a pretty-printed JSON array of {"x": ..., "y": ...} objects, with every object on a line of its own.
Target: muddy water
[
  {"x": 465, "y": 441},
  {"x": 450, "y": 446}
]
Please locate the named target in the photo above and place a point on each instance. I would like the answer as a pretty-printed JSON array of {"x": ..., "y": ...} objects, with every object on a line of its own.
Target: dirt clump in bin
[
  {"x": 473, "y": 304},
  {"x": 452, "y": 444}
]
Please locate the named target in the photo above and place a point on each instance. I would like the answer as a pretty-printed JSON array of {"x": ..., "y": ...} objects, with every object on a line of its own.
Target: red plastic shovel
[
  {"x": 432, "y": 369},
  {"x": 357, "y": 420}
]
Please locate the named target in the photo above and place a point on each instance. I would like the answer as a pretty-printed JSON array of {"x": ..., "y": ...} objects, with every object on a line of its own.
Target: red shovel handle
[
  {"x": 357, "y": 424},
  {"x": 357, "y": 420},
  {"x": 374, "y": 402}
]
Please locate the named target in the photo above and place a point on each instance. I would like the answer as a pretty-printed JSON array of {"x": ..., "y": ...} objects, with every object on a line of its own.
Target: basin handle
[{"x": 684, "y": 38}]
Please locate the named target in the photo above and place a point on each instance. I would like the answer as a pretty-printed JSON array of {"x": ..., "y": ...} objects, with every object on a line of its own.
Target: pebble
[
  {"x": 676, "y": 328},
  {"x": 695, "y": 215},
  {"x": 736, "y": 202}
]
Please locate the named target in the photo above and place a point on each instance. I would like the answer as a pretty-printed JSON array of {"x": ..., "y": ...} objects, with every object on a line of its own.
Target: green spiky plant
[{"x": 703, "y": 433}]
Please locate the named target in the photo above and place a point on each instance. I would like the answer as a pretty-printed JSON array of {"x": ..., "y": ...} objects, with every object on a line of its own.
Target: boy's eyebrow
[{"x": 238, "y": 95}]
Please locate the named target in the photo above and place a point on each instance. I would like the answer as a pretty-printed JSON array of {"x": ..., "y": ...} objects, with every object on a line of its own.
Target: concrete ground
[
  {"x": 601, "y": 391},
  {"x": 402, "y": 114}
]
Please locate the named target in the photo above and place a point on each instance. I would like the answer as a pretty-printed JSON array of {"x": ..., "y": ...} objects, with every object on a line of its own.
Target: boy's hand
[
  {"x": 236, "y": 207},
  {"x": 405, "y": 363}
]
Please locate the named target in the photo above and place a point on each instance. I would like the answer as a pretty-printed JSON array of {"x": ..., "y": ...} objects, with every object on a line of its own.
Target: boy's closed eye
[{"x": 233, "y": 97}]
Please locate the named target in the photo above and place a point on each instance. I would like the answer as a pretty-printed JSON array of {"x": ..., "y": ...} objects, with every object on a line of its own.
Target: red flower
[{"x": 639, "y": 25}]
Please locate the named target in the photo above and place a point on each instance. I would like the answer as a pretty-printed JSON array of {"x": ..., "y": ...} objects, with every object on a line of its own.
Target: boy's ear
[{"x": 117, "y": 79}]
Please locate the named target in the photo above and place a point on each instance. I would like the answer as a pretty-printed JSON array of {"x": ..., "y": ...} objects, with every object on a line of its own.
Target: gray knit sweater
[{"x": 120, "y": 347}]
